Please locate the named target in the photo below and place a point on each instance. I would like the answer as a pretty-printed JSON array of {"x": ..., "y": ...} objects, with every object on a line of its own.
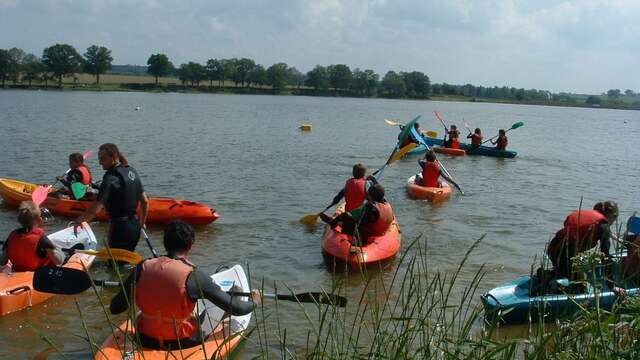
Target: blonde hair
[{"x": 28, "y": 214}]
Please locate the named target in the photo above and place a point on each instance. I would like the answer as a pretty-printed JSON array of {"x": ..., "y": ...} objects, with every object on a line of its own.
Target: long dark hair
[{"x": 112, "y": 150}]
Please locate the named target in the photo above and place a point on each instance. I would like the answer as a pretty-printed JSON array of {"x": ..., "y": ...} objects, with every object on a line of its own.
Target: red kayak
[
  {"x": 449, "y": 151},
  {"x": 381, "y": 248}
]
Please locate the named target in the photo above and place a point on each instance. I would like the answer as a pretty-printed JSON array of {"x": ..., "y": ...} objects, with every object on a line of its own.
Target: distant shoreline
[{"x": 167, "y": 86}]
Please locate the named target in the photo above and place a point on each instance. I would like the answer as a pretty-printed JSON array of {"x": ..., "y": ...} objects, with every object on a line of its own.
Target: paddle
[
  {"x": 69, "y": 281},
  {"x": 441, "y": 121},
  {"x": 430, "y": 133},
  {"x": 466, "y": 125},
  {"x": 441, "y": 165},
  {"x": 392, "y": 122},
  {"x": 146, "y": 238},
  {"x": 78, "y": 189},
  {"x": 514, "y": 126},
  {"x": 39, "y": 195},
  {"x": 113, "y": 253}
]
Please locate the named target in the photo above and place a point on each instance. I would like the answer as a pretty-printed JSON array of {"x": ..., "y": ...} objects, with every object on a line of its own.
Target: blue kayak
[{"x": 482, "y": 150}]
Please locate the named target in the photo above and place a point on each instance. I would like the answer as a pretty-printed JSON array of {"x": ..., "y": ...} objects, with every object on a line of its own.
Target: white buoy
[{"x": 137, "y": 108}]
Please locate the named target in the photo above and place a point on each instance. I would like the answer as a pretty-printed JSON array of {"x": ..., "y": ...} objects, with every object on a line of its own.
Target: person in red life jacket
[
  {"x": 410, "y": 138},
  {"x": 166, "y": 289},
  {"x": 28, "y": 248},
  {"x": 79, "y": 173},
  {"x": 354, "y": 191},
  {"x": 582, "y": 230},
  {"x": 432, "y": 171},
  {"x": 371, "y": 219},
  {"x": 453, "y": 135},
  {"x": 120, "y": 194},
  {"x": 501, "y": 142},
  {"x": 476, "y": 138}
]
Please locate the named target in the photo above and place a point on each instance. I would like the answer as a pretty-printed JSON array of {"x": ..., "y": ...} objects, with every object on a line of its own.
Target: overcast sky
[{"x": 585, "y": 46}]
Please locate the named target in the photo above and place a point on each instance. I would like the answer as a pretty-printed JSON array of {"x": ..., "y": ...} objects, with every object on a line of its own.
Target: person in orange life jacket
[
  {"x": 476, "y": 138},
  {"x": 502, "y": 141},
  {"x": 582, "y": 230},
  {"x": 454, "y": 138},
  {"x": 431, "y": 172},
  {"x": 354, "y": 191},
  {"x": 410, "y": 138},
  {"x": 120, "y": 193},
  {"x": 371, "y": 219},
  {"x": 166, "y": 289},
  {"x": 28, "y": 248},
  {"x": 79, "y": 173}
]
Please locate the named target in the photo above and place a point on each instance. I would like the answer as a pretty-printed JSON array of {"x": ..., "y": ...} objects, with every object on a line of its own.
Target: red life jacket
[
  {"x": 476, "y": 140},
  {"x": 381, "y": 226},
  {"x": 430, "y": 174},
  {"x": 165, "y": 305},
  {"x": 455, "y": 144},
  {"x": 502, "y": 142},
  {"x": 581, "y": 228},
  {"x": 355, "y": 193},
  {"x": 22, "y": 249},
  {"x": 86, "y": 174}
]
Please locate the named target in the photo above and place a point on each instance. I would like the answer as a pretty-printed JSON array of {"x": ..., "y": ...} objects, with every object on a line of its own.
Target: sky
[{"x": 583, "y": 46}]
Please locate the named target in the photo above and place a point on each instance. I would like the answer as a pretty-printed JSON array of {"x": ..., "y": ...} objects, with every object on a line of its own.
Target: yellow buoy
[{"x": 305, "y": 127}]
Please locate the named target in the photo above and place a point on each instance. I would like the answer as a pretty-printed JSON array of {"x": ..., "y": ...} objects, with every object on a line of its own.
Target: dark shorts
[{"x": 124, "y": 233}]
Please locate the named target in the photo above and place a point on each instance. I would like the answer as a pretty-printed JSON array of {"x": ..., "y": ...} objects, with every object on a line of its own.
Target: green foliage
[
  {"x": 613, "y": 93},
  {"x": 340, "y": 76},
  {"x": 243, "y": 68},
  {"x": 393, "y": 85},
  {"x": 417, "y": 84},
  {"x": 295, "y": 77},
  {"x": 97, "y": 61},
  {"x": 32, "y": 68},
  {"x": 192, "y": 72},
  {"x": 593, "y": 100},
  {"x": 257, "y": 75},
  {"x": 365, "y": 82},
  {"x": 4, "y": 65},
  {"x": 318, "y": 78},
  {"x": 277, "y": 75},
  {"x": 214, "y": 70},
  {"x": 61, "y": 60},
  {"x": 16, "y": 61},
  {"x": 159, "y": 65},
  {"x": 229, "y": 66}
]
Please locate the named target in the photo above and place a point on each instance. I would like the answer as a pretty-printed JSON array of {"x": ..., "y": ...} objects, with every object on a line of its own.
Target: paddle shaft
[
  {"x": 441, "y": 121},
  {"x": 506, "y": 131},
  {"x": 444, "y": 169},
  {"x": 146, "y": 238}
]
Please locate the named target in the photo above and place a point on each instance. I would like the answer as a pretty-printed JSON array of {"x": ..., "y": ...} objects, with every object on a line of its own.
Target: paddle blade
[
  {"x": 437, "y": 113},
  {"x": 517, "y": 125},
  {"x": 316, "y": 297},
  {"x": 310, "y": 219},
  {"x": 78, "y": 189},
  {"x": 118, "y": 255},
  {"x": 402, "y": 152},
  {"x": 432, "y": 134},
  {"x": 392, "y": 122},
  {"x": 87, "y": 155},
  {"x": 39, "y": 195},
  {"x": 402, "y": 137},
  {"x": 60, "y": 280}
]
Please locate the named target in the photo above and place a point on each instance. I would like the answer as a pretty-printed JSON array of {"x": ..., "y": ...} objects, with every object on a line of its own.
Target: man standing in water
[{"x": 120, "y": 193}]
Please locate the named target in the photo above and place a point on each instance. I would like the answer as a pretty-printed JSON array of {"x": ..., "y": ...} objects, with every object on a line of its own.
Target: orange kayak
[
  {"x": 218, "y": 345},
  {"x": 381, "y": 248},
  {"x": 449, "y": 151},
  {"x": 161, "y": 210},
  {"x": 16, "y": 289},
  {"x": 431, "y": 194}
]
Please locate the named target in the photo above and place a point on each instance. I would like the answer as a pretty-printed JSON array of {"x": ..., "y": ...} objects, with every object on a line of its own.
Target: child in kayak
[
  {"x": 476, "y": 138},
  {"x": 79, "y": 173},
  {"x": 354, "y": 191},
  {"x": 582, "y": 230},
  {"x": 454, "y": 138},
  {"x": 371, "y": 219},
  {"x": 411, "y": 139},
  {"x": 502, "y": 141},
  {"x": 166, "y": 289},
  {"x": 27, "y": 247},
  {"x": 431, "y": 172}
]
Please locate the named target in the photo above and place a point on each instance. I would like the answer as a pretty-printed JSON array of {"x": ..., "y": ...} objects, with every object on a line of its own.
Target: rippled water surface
[{"x": 245, "y": 156}]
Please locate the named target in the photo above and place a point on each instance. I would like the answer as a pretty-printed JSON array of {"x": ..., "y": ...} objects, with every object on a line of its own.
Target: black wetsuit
[
  {"x": 199, "y": 286},
  {"x": 562, "y": 261},
  {"x": 120, "y": 192}
]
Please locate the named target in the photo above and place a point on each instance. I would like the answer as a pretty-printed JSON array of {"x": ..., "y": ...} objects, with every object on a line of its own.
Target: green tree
[
  {"x": 417, "y": 84},
  {"x": 4, "y": 65},
  {"x": 295, "y": 77},
  {"x": 230, "y": 69},
  {"x": 183, "y": 73},
  {"x": 340, "y": 76},
  {"x": 277, "y": 76},
  {"x": 613, "y": 93},
  {"x": 32, "y": 68},
  {"x": 257, "y": 75},
  {"x": 393, "y": 85},
  {"x": 520, "y": 94},
  {"x": 61, "y": 60},
  {"x": 318, "y": 78},
  {"x": 364, "y": 82},
  {"x": 214, "y": 70},
  {"x": 593, "y": 100},
  {"x": 97, "y": 61},
  {"x": 629, "y": 92},
  {"x": 159, "y": 65},
  {"x": 243, "y": 68},
  {"x": 16, "y": 61},
  {"x": 192, "y": 72}
]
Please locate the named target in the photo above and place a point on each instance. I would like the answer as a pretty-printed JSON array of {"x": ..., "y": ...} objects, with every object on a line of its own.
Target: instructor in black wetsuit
[
  {"x": 120, "y": 193},
  {"x": 166, "y": 289}
]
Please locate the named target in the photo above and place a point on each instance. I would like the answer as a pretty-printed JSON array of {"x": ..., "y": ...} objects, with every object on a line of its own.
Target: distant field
[{"x": 109, "y": 79}]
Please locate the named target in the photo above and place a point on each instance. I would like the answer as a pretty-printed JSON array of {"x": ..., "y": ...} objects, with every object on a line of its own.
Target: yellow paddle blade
[
  {"x": 392, "y": 122},
  {"x": 402, "y": 152},
  {"x": 309, "y": 219},
  {"x": 432, "y": 134},
  {"x": 118, "y": 255}
]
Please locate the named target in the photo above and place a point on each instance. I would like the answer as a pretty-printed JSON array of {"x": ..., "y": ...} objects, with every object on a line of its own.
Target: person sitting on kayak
[
  {"x": 166, "y": 289},
  {"x": 502, "y": 141},
  {"x": 28, "y": 248},
  {"x": 582, "y": 230},
  {"x": 79, "y": 173},
  {"x": 476, "y": 138},
  {"x": 453, "y": 140},
  {"x": 371, "y": 219},
  {"x": 410, "y": 138},
  {"x": 354, "y": 191},
  {"x": 431, "y": 172},
  {"x": 120, "y": 193}
]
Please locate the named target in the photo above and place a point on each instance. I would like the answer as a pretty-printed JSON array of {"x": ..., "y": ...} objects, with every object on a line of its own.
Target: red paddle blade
[
  {"x": 439, "y": 118},
  {"x": 39, "y": 195},
  {"x": 87, "y": 154}
]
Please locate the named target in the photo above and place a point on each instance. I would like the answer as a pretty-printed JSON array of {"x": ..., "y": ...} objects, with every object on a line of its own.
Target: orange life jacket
[
  {"x": 430, "y": 174},
  {"x": 455, "y": 143},
  {"x": 476, "y": 139},
  {"x": 22, "y": 249},
  {"x": 165, "y": 305},
  {"x": 502, "y": 142},
  {"x": 581, "y": 228},
  {"x": 86, "y": 174},
  {"x": 355, "y": 193},
  {"x": 381, "y": 226}
]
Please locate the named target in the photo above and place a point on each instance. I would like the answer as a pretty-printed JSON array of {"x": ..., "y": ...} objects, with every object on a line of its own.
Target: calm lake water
[{"x": 245, "y": 156}]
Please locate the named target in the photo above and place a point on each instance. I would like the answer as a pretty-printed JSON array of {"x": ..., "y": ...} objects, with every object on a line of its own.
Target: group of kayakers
[{"x": 452, "y": 138}]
